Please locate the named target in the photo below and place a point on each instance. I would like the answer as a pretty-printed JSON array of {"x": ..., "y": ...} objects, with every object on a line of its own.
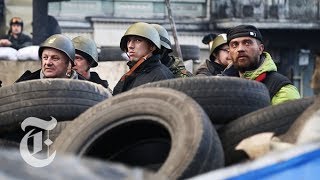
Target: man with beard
[{"x": 252, "y": 62}]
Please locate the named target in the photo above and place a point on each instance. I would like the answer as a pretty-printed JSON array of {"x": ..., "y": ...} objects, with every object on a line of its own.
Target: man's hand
[{"x": 5, "y": 42}]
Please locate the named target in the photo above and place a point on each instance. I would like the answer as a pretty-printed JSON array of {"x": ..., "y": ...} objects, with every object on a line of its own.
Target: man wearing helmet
[
  {"x": 141, "y": 42},
  {"x": 175, "y": 64},
  {"x": 15, "y": 38},
  {"x": 57, "y": 54},
  {"x": 85, "y": 58},
  {"x": 219, "y": 55}
]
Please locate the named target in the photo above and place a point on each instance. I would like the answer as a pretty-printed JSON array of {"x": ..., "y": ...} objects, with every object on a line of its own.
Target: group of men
[{"x": 239, "y": 52}]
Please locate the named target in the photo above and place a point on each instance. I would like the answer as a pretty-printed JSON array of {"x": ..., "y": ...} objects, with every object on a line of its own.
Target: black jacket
[
  {"x": 94, "y": 77},
  {"x": 23, "y": 40},
  {"x": 210, "y": 68},
  {"x": 150, "y": 70},
  {"x": 28, "y": 75}
]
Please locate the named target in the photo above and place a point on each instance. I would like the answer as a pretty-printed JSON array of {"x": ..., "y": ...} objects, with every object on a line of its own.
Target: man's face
[
  {"x": 245, "y": 53},
  {"x": 81, "y": 65},
  {"x": 54, "y": 63},
  {"x": 138, "y": 47},
  {"x": 16, "y": 28}
]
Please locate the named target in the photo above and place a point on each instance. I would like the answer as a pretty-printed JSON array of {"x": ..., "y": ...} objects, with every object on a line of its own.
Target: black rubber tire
[
  {"x": 223, "y": 98},
  {"x": 54, "y": 133},
  {"x": 110, "y": 53},
  {"x": 296, "y": 130},
  {"x": 189, "y": 52},
  {"x": 189, "y": 144},
  {"x": 8, "y": 144},
  {"x": 276, "y": 119},
  {"x": 62, "y": 99}
]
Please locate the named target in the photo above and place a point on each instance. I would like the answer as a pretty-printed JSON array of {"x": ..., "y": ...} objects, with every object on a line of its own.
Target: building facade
[{"x": 290, "y": 27}]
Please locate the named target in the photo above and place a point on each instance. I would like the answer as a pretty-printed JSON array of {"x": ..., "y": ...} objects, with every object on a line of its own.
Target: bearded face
[{"x": 245, "y": 53}]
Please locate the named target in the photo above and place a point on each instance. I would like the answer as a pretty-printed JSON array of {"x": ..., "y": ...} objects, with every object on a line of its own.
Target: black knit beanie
[{"x": 243, "y": 31}]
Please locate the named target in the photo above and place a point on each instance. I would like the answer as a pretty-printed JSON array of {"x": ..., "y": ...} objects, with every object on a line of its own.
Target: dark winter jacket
[
  {"x": 22, "y": 41},
  {"x": 94, "y": 77},
  {"x": 28, "y": 75},
  {"x": 149, "y": 71},
  {"x": 210, "y": 68}
]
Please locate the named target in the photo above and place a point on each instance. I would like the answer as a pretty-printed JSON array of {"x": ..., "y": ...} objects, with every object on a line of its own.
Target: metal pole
[
  {"x": 40, "y": 21},
  {"x": 2, "y": 17},
  {"x": 174, "y": 30}
]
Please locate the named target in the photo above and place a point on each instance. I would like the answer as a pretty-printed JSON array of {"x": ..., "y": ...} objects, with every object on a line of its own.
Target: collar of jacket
[
  {"x": 18, "y": 35},
  {"x": 154, "y": 59},
  {"x": 266, "y": 65},
  {"x": 167, "y": 60},
  {"x": 74, "y": 75},
  {"x": 217, "y": 66}
]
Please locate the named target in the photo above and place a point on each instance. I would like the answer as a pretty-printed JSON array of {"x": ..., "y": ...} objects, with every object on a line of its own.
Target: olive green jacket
[{"x": 287, "y": 92}]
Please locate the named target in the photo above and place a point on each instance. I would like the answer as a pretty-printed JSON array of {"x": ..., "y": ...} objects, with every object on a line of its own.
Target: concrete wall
[
  {"x": 12, "y": 70},
  {"x": 108, "y": 70}
]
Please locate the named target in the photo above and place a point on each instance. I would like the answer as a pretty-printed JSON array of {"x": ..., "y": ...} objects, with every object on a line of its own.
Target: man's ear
[
  {"x": 153, "y": 48},
  {"x": 261, "y": 48},
  {"x": 69, "y": 65}
]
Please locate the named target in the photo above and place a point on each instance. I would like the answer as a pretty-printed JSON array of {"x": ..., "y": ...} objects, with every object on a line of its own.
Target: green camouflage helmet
[
  {"x": 61, "y": 43},
  {"x": 164, "y": 36},
  {"x": 87, "y": 46},
  {"x": 218, "y": 41},
  {"x": 141, "y": 29}
]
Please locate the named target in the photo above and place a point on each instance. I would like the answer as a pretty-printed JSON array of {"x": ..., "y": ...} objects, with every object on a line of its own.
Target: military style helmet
[
  {"x": 16, "y": 20},
  {"x": 61, "y": 43},
  {"x": 164, "y": 36},
  {"x": 218, "y": 41},
  {"x": 87, "y": 46},
  {"x": 141, "y": 29}
]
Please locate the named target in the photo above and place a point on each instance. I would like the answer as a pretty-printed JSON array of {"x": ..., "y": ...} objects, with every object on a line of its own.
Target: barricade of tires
[
  {"x": 155, "y": 128},
  {"x": 276, "y": 119},
  {"x": 59, "y": 98},
  {"x": 166, "y": 126},
  {"x": 222, "y": 98},
  {"x": 169, "y": 127}
]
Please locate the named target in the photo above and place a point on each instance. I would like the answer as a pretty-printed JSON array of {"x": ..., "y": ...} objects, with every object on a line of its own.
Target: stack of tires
[
  {"x": 166, "y": 126},
  {"x": 61, "y": 99},
  {"x": 176, "y": 128},
  {"x": 156, "y": 128}
]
